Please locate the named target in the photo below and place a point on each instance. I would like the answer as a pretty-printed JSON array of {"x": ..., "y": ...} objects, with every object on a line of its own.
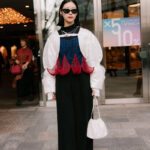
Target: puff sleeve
[
  {"x": 94, "y": 59},
  {"x": 49, "y": 60}
]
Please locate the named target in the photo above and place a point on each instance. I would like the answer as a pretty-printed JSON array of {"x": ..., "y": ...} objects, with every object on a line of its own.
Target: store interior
[
  {"x": 123, "y": 62},
  {"x": 16, "y": 21}
]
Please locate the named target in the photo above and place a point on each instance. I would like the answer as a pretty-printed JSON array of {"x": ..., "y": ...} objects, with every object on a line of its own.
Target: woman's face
[{"x": 69, "y": 17}]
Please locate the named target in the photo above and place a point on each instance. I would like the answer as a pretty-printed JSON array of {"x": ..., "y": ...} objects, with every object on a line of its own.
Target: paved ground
[{"x": 35, "y": 128}]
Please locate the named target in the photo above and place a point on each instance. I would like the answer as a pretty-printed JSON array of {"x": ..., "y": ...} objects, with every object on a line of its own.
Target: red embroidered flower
[{"x": 75, "y": 66}]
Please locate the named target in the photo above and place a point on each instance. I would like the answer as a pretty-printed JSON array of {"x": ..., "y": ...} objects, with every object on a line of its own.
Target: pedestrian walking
[{"x": 73, "y": 75}]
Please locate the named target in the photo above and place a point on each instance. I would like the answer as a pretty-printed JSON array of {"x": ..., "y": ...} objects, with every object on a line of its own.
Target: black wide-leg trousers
[
  {"x": 74, "y": 105},
  {"x": 25, "y": 84}
]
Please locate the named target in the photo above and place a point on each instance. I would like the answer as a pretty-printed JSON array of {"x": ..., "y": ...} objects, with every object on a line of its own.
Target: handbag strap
[{"x": 95, "y": 103}]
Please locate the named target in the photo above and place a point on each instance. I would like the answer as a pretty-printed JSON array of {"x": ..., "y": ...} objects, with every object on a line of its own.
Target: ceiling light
[
  {"x": 25, "y": 25},
  {"x": 27, "y": 6},
  {"x": 1, "y": 27},
  {"x": 135, "y": 5},
  {"x": 11, "y": 16}
]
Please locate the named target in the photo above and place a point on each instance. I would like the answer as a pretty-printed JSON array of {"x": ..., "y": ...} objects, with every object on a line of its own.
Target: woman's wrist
[
  {"x": 51, "y": 96},
  {"x": 27, "y": 63},
  {"x": 96, "y": 92}
]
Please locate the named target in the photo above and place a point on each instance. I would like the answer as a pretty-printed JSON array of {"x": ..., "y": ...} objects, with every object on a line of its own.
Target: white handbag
[{"x": 96, "y": 128}]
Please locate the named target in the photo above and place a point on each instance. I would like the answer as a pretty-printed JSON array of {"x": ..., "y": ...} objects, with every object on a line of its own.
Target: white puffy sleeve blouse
[{"x": 90, "y": 48}]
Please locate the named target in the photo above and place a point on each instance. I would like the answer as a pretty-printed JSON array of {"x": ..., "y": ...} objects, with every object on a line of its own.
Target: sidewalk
[{"x": 35, "y": 128}]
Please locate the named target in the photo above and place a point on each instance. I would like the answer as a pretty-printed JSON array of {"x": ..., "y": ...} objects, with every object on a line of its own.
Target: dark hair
[
  {"x": 61, "y": 18},
  {"x": 26, "y": 40}
]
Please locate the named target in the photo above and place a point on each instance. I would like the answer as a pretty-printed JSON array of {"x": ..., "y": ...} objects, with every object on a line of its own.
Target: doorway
[
  {"x": 16, "y": 22},
  {"x": 118, "y": 27}
]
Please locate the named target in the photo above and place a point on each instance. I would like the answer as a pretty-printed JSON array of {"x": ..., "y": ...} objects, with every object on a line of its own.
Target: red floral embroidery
[
  {"x": 85, "y": 66},
  {"x": 75, "y": 66}
]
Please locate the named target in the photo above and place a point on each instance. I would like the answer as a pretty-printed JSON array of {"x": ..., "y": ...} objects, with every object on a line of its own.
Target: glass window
[{"x": 122, "y": 46}]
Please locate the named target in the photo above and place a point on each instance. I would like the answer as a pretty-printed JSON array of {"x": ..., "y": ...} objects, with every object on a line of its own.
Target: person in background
[{"x": 25, "y": 81}]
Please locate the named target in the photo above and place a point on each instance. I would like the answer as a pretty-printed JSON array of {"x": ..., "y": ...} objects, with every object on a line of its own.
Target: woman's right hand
[
  {"x": 51, "y": 96},
  {"x": 17, "y": 61},
  {"x": 24, "y": 66},
  {"x": 95, "y": 93}
]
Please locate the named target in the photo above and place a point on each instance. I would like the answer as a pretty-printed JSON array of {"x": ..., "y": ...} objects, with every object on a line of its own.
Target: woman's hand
[
  {"x": 95, "y": 93},
  {"x": 25, "y": 66},
  {"x": 53, "y": 96},
  {"x": 17, "y": 61}
]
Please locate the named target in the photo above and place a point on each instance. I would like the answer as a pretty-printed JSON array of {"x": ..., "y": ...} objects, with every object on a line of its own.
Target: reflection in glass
[
  {"x": 122, "y": 46},
  {"x": 86, "y": 14}
]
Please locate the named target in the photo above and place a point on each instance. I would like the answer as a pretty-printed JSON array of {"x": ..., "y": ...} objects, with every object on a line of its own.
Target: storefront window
[
  {"x": 122, "y": 46},
  {"x": 86, "y": 14}
]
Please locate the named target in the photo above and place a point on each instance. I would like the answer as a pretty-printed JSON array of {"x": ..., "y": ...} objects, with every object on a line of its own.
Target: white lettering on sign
[{"x": 121, "y": 31}]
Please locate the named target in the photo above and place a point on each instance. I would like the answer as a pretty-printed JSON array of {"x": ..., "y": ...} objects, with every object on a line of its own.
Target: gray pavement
[{"x": 35, "y": 128}]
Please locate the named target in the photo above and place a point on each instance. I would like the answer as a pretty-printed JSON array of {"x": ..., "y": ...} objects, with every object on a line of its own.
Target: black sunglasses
[{"x": 66, "y": 11}]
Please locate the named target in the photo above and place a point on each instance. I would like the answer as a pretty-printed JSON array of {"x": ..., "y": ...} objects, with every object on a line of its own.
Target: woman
[
  {"x": 25, "y": 80},
  {"x": 73, "y": 75}
]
